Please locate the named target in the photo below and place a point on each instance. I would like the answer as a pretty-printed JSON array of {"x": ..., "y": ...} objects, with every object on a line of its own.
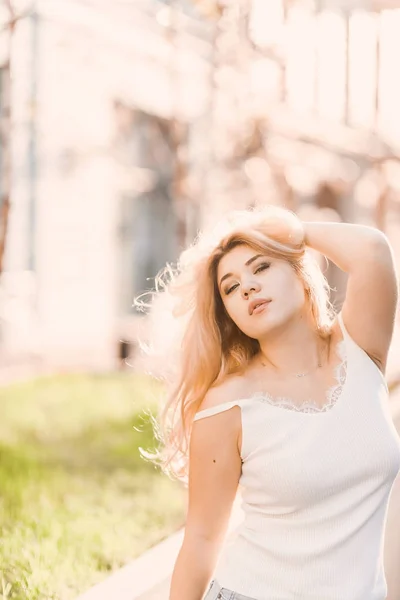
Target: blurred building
[
  {"x": 310, "y": 120},
  {"x": 133, "y": 123},
  {"x": 103, "y": 96}
]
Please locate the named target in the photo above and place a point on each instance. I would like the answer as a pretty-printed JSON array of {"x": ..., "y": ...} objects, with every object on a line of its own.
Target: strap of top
[
  {"x": 217, "y": 409},
  {"x": 342, "y": 325},
  {"x": 348, "y": 340}
]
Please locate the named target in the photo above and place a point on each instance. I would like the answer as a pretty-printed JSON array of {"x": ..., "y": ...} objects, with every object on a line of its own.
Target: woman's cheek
[
  {"x": 237, "y": 314},
  {"x": 243, "y": 321}
]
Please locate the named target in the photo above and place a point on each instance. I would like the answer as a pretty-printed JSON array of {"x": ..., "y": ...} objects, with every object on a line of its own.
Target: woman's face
[{"x": 246, "y": 277}]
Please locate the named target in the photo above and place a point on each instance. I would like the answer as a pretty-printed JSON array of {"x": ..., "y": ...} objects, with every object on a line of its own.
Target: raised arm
[{"x": 371, "y": 298}]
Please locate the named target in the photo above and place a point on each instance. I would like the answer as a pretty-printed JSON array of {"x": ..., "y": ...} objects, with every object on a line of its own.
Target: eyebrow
[{"x": 251, "y": 260}]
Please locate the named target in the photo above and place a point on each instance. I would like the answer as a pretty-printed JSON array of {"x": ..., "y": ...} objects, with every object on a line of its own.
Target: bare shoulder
[
  {"x": 215, "y": 467},
  {"x": 206, "y": 436},
  {"x": 233, "y": 387}
]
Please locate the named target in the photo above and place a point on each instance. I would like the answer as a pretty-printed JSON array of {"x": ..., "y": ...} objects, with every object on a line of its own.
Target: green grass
[{"x": 76, "y": 499}]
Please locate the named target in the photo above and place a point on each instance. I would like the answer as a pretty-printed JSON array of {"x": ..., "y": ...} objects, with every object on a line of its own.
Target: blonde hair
[{"x": 193, "y": 341}]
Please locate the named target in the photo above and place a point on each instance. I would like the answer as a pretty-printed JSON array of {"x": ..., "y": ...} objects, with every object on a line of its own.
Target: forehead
[{"x": 235, "y": 259}]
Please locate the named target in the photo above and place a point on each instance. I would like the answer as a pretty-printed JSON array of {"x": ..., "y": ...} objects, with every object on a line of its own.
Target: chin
[
  {"x": 263, "y": 329},
  {"x": 269, "y": 324}
]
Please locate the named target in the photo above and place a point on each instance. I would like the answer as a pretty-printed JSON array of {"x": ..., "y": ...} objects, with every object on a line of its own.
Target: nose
[{"x": 248, "y": 287}]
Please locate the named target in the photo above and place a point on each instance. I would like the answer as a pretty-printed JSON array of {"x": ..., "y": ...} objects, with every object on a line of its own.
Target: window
[{"x": 149, "y": 227}]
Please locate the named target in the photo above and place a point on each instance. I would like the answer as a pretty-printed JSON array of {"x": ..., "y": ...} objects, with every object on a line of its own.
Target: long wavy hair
[{"x": 191, "y": 340}]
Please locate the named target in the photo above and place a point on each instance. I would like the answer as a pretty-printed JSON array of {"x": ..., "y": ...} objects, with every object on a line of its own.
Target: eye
[
  {"x": 229, "y": 290},
  {"x": 262, "y": 267},
  {"x": 259, "y": 269}
]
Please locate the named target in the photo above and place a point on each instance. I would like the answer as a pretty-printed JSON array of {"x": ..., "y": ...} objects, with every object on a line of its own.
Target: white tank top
[{"x": 316, "y": 484}]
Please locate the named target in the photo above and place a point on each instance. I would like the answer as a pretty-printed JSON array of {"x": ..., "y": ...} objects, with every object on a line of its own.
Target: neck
[{"x": 294, "y": 349}]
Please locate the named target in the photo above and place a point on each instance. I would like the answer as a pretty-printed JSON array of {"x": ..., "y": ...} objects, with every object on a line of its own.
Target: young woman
[{"x": 273, "y": 391}]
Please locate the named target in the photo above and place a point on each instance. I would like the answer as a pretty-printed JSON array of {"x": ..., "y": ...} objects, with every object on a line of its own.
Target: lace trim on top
[{"x": 309, "y": 406}]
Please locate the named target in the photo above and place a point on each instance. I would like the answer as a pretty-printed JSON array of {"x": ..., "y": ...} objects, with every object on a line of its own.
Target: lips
[{"x": 256, "y": 304}]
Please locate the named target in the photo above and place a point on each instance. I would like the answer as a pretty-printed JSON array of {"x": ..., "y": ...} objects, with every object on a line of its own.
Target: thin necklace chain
[
  {"x": 305, "y": 373},
  {"x": 300, "y": 374}
]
